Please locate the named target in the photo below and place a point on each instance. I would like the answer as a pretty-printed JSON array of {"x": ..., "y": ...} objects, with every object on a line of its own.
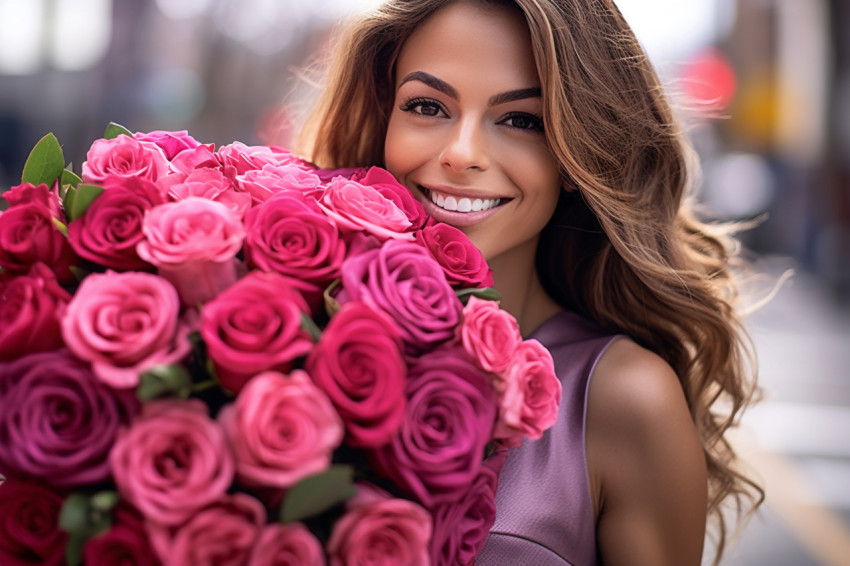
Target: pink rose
[
  {"x": 111, "y": 228},
  {"x": 28, "y": 236},
  {"x": 193, "y": 243},
  {"x": 377, "y": 529},
  {"x": 490, "y": 334},
  {"x": 210, "y": 184},
  {"x": 348, "y": 172},
  {"x": 272, "y": 179},
  {"x": 31, "y": 307},
  {"x": 224, "y": 533},
  {"x": 58, "y": 422},
  {"x": 200, "y": 157},
  {"x": 29, "y": 525},
  {"x": 244, "y": 158},
  {"x": 287, "y": 545},
  {"x": 172, "y": 461},
  {"x": 383, "y": 181},
  {"x": 125, "y": 323},
  {"x": 461, "y": 528},
  {"x": 403, "y": 280},
  {"x": 42, "y": 194},
  {"x": 360, "y": 208},
  {"x": 358, "y": 362},
  {"x": 281, "y": 429},
  {"x": 123, "y": 156},
  {"x": 286, "y": 236},
  {"x": 449, "y": 418},
  {"x": 171, "y": 143},
  {"x": 254, "y": 326},
  {"x": 125, "y": 543},
  {"x": 462, "y": 262},
  {"x": 531, "y": 393}
]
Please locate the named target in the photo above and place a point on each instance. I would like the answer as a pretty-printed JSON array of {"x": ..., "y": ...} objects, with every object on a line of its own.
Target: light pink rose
[
  {"x": 377, "y": 529},
  {"x": 173, "y": 461},
  {"x": 210, "y": 184},
  {"x": 360, "y": 208},
  {"x": 193, "y": 243},
  {"x": 171, "y": 143},
  {"x": 383, "y": 181},
  {"x": 281, "y": 429},
  {"x": 358, "y": 362},
  {"x": 490, "y": 334},
  {"x": 287, "y": 545},
  {"x": 200, "y": 157},
  {"x": 125, "y": 323},
  {"x": 243, "y": 158},
  {"x": 530, "y": 394},
  {"x": 272, "y": 179},
  {"x": 462, "y": 262},
  {"x": 223, "y": 533},
  {"x": 123, "y": 156},
  {"x": 254, "y": 326}
]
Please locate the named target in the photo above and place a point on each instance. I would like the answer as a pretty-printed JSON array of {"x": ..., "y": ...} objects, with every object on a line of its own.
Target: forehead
[{"x": 469, "y": 40}]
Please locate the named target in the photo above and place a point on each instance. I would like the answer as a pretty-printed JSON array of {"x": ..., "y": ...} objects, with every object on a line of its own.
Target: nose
[{"x": 466, "y": 147}]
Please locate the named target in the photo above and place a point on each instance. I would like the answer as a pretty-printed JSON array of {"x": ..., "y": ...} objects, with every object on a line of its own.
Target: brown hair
[{"x": 623, "y": 247}]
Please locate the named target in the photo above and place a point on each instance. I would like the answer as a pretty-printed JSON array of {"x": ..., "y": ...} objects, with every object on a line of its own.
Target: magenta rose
[
  {"x": 58, "y": 421},
  {"x": 29, "y": 525},
  {"x": 358, "y": 362},
  {"x": 490, "y": 334},
  {"x": 193, "y": 243},
  {"x": 223, "y": 533},
  {"x": 26, "y": 193},
  {"x": 272, "y": 179},
  {"x": 254, "y": 326},
  {"x": 287, "y": 545},
  {"x": 172, "y": 461},
  {"x": 28, "y": 236},
  {"x": 124, "y": 324},
  {"x": 286, "y": 236},
  {"x": 123, "y": 156},
  {"x": 31, "y": 307},
  {"x": 378, "y": 529},
  {"x": 383, "y": 181},
  {"x": 360, "y": 208},
  {"x": 244, "y": 158},
  {"x": 403, "y": 280},
  {"x": 326, "y": 175},
  {"x": 108, "y": 233},
  {"x": 449, "y": 419},
  {"x": 281, "y": 428},
  {"x": 461, "y": 528},
  {"x": 210, "y": 184},
  {"x": 530, "y": 394},
  {"x": 171, "y": 143},
  {"x": 462, "y": 262},
  {"x": 125, "y": 543}
]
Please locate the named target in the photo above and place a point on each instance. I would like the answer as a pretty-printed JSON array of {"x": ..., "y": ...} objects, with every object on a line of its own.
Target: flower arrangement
[{"x": 229, "y": 356}]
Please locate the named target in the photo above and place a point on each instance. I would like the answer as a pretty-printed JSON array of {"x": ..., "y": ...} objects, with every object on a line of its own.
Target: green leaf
[
  {"x": 163, "y": 380},
  {"x": 45, "y": 162},
  {"x": 488, "y": 294},
  {"x": 74, "y": 513},
  {"x": 318, "y": 493},
  {"x": 68, "y": 177},
  {"x": 62, "y": 228},
  {"x": 310, "y": 326},
  {"x": 114, "y": 130},
  {"x": 83, "y": 199},
  {"x": 84, "y": 517}
]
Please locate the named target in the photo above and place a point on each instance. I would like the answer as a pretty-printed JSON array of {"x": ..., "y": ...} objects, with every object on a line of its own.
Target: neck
[{"x": 522, "y": 293}]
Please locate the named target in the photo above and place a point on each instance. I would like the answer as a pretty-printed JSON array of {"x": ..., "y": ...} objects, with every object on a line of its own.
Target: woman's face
[{"x": 466, "y": 133}]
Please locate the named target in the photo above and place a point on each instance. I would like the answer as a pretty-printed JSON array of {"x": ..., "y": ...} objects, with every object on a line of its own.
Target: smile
[{"x": 463, "y": 204}]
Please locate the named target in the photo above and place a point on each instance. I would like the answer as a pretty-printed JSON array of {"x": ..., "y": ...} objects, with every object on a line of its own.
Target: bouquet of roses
[{"x": 229, "y": 356}]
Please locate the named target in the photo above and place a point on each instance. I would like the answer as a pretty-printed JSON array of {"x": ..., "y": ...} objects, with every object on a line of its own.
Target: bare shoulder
[{"x": 645, "y": 460}]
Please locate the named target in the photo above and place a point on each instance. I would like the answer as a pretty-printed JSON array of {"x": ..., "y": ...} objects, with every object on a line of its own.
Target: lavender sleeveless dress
[{"x": 544, "y": 513}]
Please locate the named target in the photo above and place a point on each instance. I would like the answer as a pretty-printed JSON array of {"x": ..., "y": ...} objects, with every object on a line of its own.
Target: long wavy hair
[{"x": 624, "y": 247}]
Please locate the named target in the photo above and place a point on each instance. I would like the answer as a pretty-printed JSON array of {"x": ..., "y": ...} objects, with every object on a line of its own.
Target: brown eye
[
  {"x": 423, "y": 107},
  {"x": 523, "y": 121}
]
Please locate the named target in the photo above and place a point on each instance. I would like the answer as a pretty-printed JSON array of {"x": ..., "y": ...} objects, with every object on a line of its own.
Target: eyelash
[{"x": 535, "y": 122}]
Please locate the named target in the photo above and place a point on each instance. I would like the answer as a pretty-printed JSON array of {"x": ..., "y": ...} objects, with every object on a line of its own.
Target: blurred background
[{"x": 764, "y": 87}]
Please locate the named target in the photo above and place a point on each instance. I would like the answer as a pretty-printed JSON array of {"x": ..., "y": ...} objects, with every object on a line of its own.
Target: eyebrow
[{"x": 449, "y": 90}]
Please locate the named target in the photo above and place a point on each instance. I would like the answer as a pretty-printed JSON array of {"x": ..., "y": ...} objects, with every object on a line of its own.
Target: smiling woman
[{"x": 539, "y": 128}]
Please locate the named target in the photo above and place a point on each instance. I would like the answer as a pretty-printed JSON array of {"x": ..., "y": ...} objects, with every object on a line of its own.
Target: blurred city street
[{"x": 798, "y": 439}]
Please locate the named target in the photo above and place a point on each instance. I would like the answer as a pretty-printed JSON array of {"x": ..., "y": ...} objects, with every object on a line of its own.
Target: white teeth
[{"x": 464, "y": 204}]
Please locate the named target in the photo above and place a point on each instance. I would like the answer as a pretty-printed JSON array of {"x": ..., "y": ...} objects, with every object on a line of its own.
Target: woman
[{"x": 540, "y": 129}]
